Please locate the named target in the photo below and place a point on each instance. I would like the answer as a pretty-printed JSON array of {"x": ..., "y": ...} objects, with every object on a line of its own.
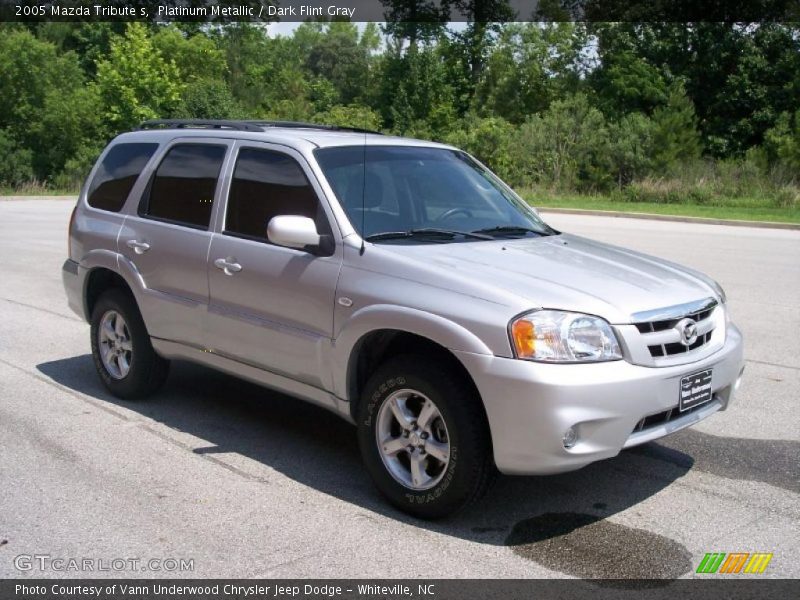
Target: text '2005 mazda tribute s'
[{"x": 398, "y": 283}]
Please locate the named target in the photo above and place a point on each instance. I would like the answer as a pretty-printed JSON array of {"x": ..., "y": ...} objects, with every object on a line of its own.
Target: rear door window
[
  {"x": 118, "y": 171},
  {"x": 183, "y": 186}
]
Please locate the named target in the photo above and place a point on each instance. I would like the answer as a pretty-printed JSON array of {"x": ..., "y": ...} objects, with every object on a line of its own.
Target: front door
[{"x": 270, "y": 306}]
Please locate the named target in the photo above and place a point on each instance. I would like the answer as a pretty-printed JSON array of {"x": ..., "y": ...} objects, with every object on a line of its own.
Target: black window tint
[
  {"x": 267, "y": 184},
  {"x": 117, "y": 173},
  {"x": 182, "y": 190}
]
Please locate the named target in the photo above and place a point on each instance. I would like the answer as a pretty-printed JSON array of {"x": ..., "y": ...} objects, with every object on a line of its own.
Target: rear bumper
[
  {"x": 73, "y": 276},
  {"x": 531, "y": 405}
]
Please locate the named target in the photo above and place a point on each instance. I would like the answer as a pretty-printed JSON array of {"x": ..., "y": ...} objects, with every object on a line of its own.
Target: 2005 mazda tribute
[{"x": 398, "y": 283}]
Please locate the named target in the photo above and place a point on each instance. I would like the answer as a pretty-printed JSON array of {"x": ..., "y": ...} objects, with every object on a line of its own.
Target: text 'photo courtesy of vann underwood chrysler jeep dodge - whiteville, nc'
[{"x": 398, "y": 283}]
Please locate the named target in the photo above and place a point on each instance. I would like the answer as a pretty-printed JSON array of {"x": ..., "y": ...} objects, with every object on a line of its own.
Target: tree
[
  {"x": 782, "y": 144},
  {"x": 567, "y": 146},
  {"x": 16, "y": 162},
  {"x": 627, "y": 83},
  {"x": 350, "y": 116},
  {"x": 483, "y": 18},
  {"x": 68, "y": 127},
  {"x": 739, "y": 77},
  {"x": 490, "y": 140},
  {"x": 414, "y": 21},
  {"x": 415, "y": 94},
  {"x": 531, "y": 65},
  {"x": 207, "y": 99},
  {"x": 89, "y": 41},
  {"x": 196, "y": 57},
  {"x": 630, "y": 147},
  {"x": 675, "y": 136},
  {"x": 339, "y": 56},
  {"x": 267, "y": 76},
  {"x": 47, "y": 113},
  {"x": 136, "y": 82}
]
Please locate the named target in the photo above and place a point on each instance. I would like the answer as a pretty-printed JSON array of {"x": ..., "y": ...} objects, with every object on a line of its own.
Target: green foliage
[
  {"x": 739, "y": 77},
  {"x": 631, "y": 147},
  {"x": 658, "y": 111},
  {"x": 416, "y": 95},
  {"x": 532, "y": 64},
  {"x": 339, "y": 56},
  {"x": 675, "y": 136},
  {"x": 16, "y": 163},
  {"x": 208, "y": 99},
  {"x": 197, "y": 57},
  {"x": 31, "y": 68},
  {"x": 47, "y": 113},
  {"x": 567, "y": 145},
  {"x": 350, "y": 116},
  {"x": 490, "y": 140},
  {"x": 67, "y": 128},
  {"x": 136, "y": 82},
  {"x": 734, "y": 182},
  {"x": 782, "y": 145},
  {"x": 626, "y": 83}
]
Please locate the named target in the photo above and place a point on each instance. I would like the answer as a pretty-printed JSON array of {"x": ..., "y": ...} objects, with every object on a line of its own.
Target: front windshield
[{"x": 417, "y": 190}]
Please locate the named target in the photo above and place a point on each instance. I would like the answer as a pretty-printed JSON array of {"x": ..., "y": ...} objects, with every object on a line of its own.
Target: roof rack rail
[
  {"x": 243, "y": 125},
  {"x": 302, "y": 125},
  {"x": 201, "y": 124}
]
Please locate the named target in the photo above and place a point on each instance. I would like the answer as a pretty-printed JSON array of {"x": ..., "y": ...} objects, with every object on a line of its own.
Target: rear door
[
  {"x": 274, "y": 310},
  {"x": 168, "y": 238}
]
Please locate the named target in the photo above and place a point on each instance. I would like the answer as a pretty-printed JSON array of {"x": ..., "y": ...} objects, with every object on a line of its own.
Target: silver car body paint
[{"x": 292, "y": 321}]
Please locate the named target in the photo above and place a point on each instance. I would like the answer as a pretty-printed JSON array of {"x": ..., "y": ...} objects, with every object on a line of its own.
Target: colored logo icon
[{"x": 734, "y": 562}]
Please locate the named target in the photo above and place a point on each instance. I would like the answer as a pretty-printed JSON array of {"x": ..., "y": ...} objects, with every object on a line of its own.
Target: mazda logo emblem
[{"x": 687, "y": 328}]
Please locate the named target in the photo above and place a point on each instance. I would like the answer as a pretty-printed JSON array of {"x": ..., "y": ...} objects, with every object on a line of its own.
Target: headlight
[{"x": 558, "y": 336}]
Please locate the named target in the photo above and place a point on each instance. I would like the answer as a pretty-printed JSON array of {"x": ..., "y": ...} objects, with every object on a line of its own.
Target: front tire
[
  {"x": 424, "y": 437},
  {"x": 121, "y": 349}
]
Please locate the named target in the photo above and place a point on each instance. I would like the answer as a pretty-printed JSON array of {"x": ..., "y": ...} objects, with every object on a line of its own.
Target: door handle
[
  {"x": 138, "y": 247},
  {"x": 228, "y": 265}
]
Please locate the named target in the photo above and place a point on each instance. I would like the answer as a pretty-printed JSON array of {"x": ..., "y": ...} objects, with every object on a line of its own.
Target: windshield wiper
[
  {"x": 509, "y": 230},
  {"x": 426, "y": 232}
]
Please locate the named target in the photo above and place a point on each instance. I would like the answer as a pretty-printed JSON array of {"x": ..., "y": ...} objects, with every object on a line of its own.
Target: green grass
[
  {"x": 742, "y": 211},
  {"x": 746, "y": 209},
  {"x": 38, "y": 191}
]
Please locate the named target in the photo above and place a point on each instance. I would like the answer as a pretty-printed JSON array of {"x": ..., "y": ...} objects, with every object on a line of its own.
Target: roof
[{"x": 280, "y": 132}]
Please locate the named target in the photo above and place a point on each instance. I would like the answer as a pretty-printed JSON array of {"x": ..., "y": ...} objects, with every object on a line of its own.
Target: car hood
[{"x": 562, "y": 272}]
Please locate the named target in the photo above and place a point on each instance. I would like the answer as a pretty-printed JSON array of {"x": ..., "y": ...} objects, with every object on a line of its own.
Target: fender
[
  {"x": 387, "y": 316},
  {"x": 116, "y": 263}
]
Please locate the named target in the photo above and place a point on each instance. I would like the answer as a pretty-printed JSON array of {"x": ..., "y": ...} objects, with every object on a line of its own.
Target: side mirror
[{"x": 293, "y": 232}]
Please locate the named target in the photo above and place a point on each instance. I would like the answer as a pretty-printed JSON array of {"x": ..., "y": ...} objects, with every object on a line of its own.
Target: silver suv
[{"x": 398, "y": 283}]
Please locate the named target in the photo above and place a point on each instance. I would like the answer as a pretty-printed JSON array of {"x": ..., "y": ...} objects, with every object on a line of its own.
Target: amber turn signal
[{"x": 523, "y": 334}]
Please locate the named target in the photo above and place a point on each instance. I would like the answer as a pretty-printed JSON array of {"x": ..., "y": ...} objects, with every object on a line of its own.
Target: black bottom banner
[{"x": 434, "y": 589}]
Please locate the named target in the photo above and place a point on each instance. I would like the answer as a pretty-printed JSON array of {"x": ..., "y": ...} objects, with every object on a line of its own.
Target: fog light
[{"x": 570, "y": 438}]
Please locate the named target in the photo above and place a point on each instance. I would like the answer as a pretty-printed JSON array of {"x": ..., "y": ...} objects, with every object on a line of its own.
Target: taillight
[{"x": 69, "y": 230}]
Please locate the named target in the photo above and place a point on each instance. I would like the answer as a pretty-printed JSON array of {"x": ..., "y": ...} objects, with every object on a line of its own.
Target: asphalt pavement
[{"x": 237, "y": 481}]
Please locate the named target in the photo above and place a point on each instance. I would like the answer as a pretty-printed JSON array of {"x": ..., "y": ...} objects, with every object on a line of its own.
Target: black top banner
[{"x": 266, "y": 11}]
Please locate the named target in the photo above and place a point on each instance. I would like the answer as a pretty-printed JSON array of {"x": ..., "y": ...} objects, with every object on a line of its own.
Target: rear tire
[
  {"x": 424, "y": 437},
  {"x": 121, "y": 349}
]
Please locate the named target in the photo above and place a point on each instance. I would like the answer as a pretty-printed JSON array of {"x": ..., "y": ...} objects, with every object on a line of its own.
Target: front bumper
[{"x": 531, "y": 405}]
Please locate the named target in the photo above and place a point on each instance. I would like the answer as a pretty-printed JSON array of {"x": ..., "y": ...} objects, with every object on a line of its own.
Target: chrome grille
[{"x": 663, "y": 335}]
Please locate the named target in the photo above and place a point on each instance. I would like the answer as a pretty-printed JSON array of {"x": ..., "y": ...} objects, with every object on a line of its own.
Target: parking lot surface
[{"x": 248, "y": 483}]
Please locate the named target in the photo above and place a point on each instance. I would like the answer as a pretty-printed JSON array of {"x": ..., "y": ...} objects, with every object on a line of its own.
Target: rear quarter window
[{"x": 118, "y": 171}]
